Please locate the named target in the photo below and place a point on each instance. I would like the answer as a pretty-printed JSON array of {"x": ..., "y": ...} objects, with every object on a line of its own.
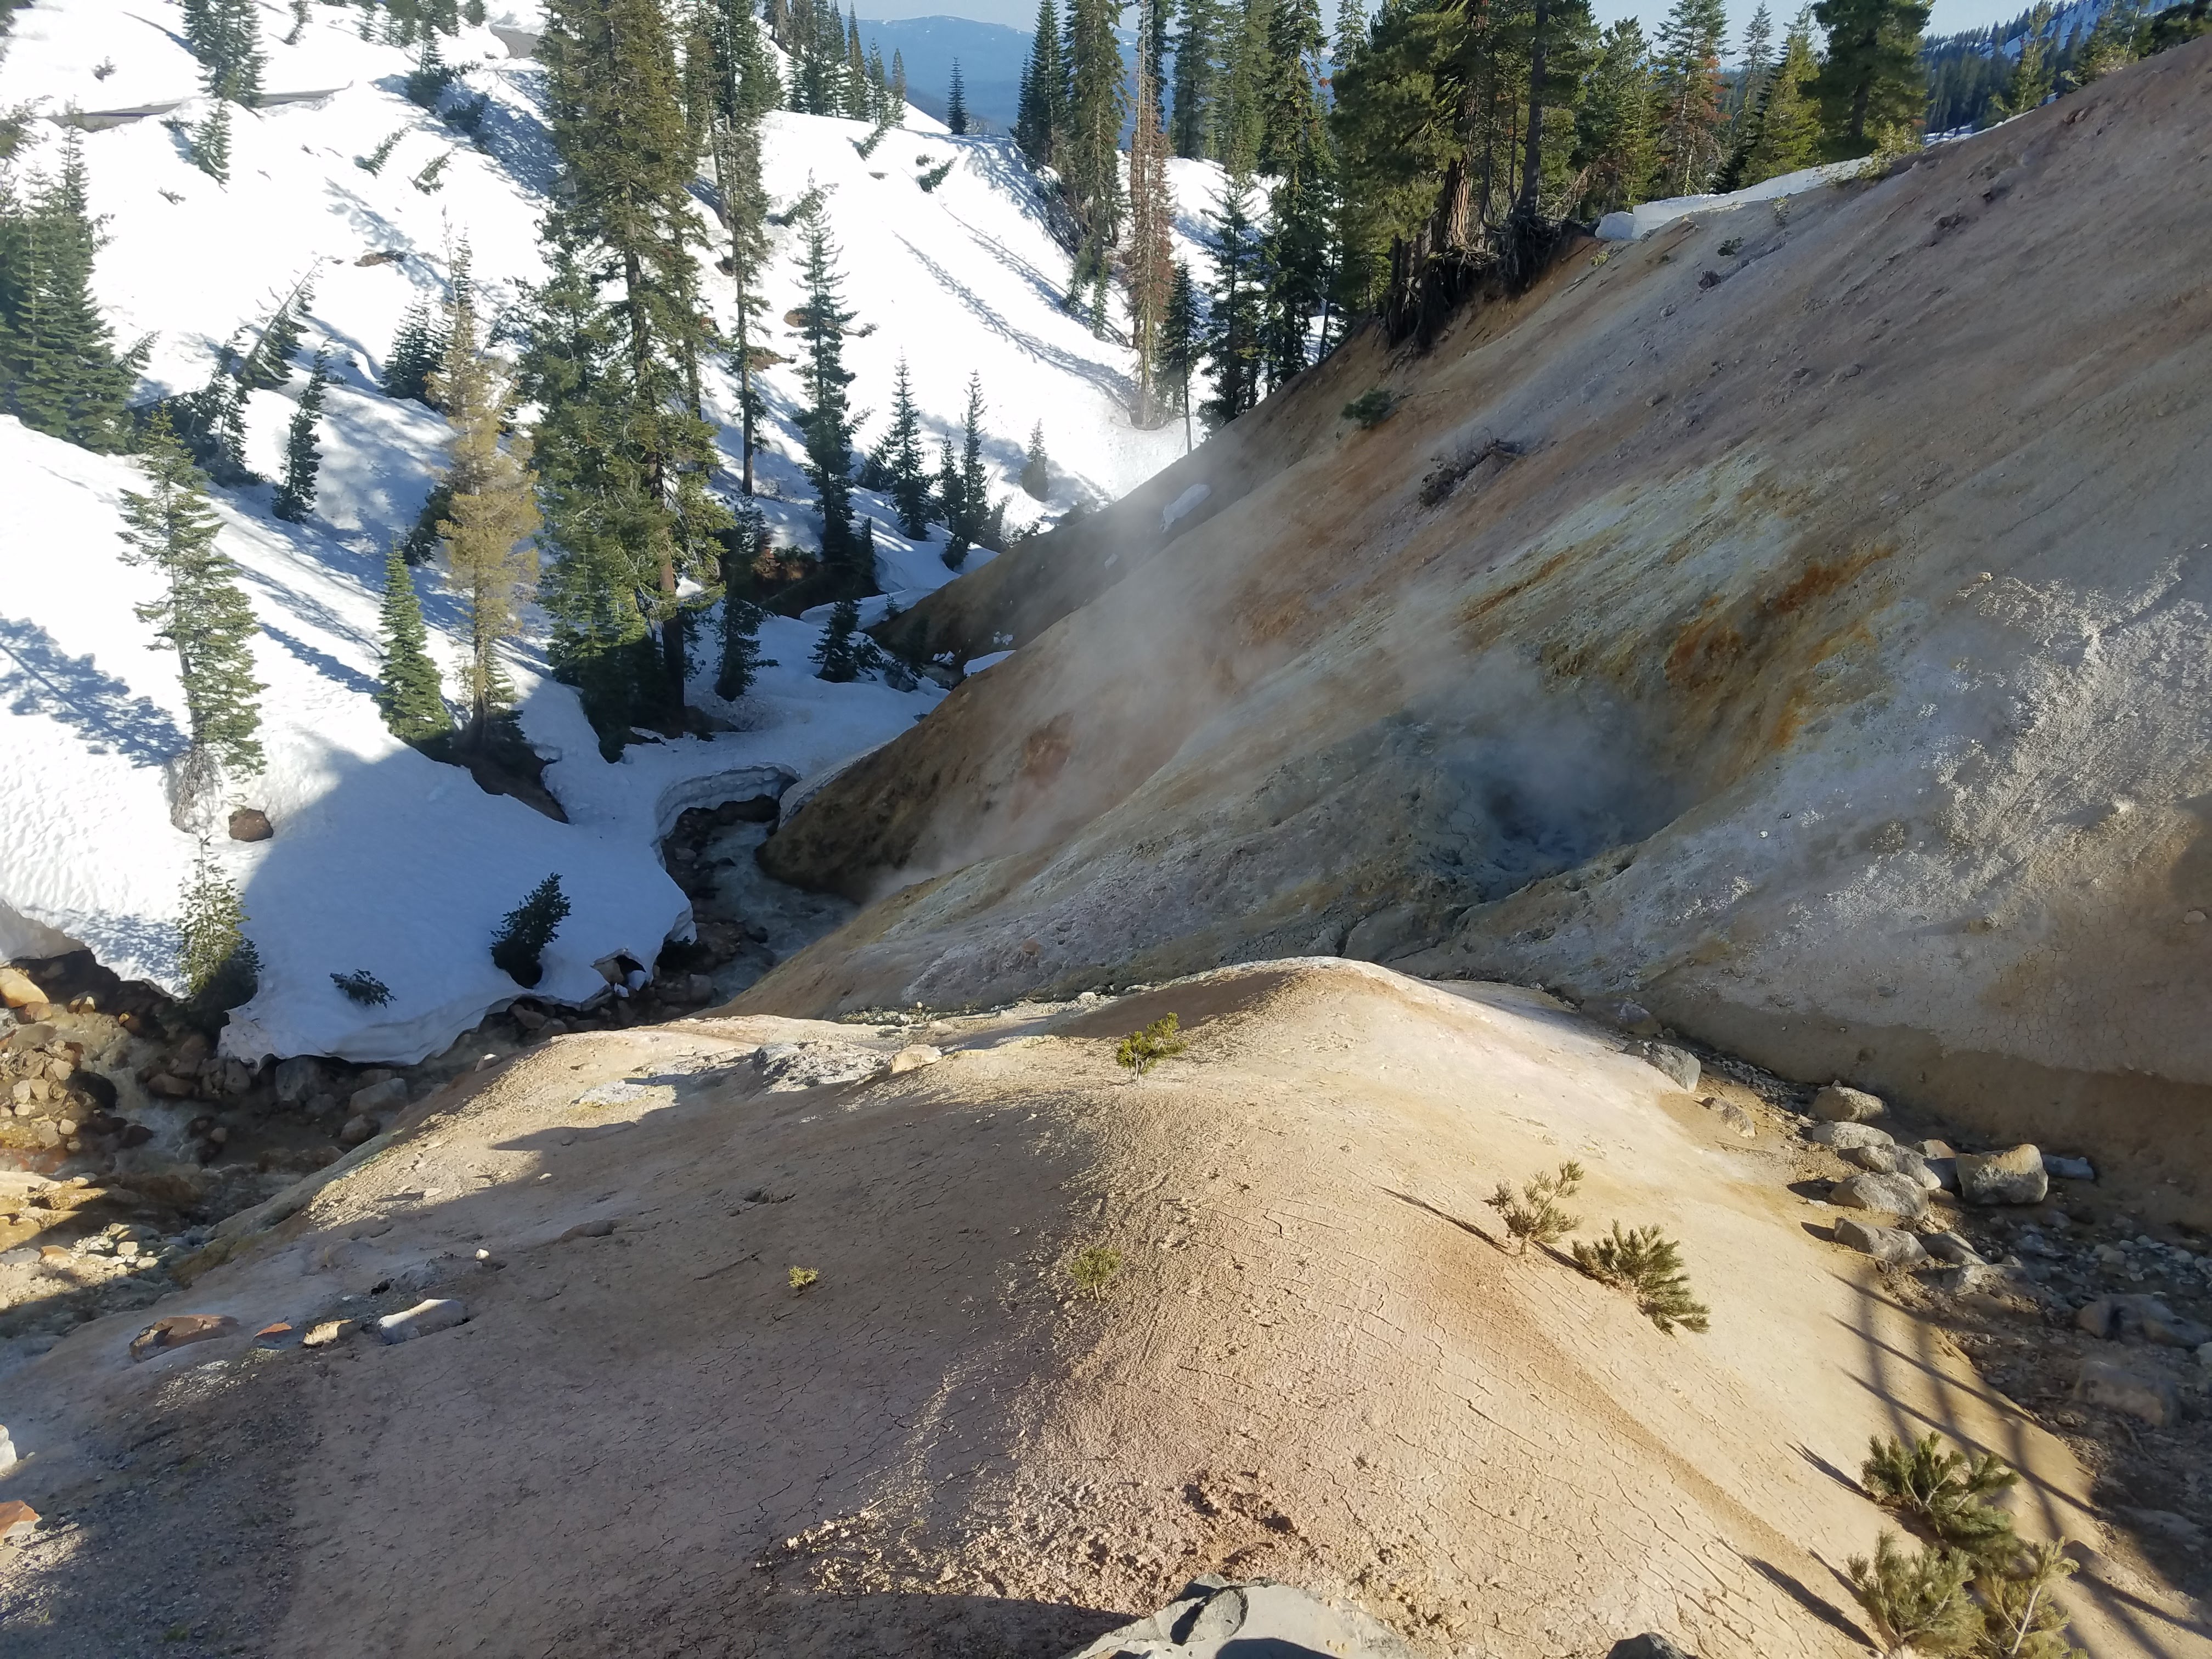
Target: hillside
[
  {"x": 1314, "y": 1361},
  {"x": 1797, "y": 619},
  {"x": 963, "y": 279}
]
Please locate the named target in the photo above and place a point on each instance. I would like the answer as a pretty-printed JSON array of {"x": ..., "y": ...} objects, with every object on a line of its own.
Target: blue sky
[{"x": 1949, "y": 16}]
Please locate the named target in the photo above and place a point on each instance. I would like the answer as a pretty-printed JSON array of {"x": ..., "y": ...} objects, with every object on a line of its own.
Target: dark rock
[
  {"x": 250, "y": 824},
  {"x": 1649, "y": 1645},
  {"x": 1678, "y": 1064}
]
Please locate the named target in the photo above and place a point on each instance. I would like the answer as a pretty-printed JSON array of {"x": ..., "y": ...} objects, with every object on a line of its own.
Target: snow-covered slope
[{"x": 383, "y": 860}]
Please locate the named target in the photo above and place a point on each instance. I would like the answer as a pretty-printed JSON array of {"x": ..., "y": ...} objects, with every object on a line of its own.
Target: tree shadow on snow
[{"x": 38, "y": 677}]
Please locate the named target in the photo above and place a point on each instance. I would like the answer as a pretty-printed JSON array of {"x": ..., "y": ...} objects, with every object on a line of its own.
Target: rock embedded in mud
[
  {"x": 2012, "y": 1176},
  {"x": 1891, "y": 1246},
  {"x": 438, "y": 1314},
  {"x": 357, "y": 1129},
  {"x": 1679, "y": 1064},
  {"x": 1953, "y": 1247},
  {"x": 2068, "y": 1168},
  {"x": 1633, "y": 1017},
  {"x": 18, "y": 989},
  {"x": 391, "y": 1091},
  {"x": 1898, "y": 1195},
  {"x": 1649, "y": 1645},
  {"x": 914, "y": 1057},
  {"x": 792, "y": 1066},
  {"x": 178, "y": 1331},
  {"x": 298, "y": 1080},
  {"x": 1838, "y": 1103},
  {"x": 2144, "y": 1395},
  {"x": 1844, "y": 1136}
]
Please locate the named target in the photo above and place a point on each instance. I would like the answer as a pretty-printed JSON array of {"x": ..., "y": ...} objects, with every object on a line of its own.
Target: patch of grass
[
  {"x": 1095, "y": 1268},
  {"x": 801, "y": 1278},
  {"x": 1648, "y": 1265},
  {"x": 1140, "y": 1051},
  {"x": 1731, "y": 248},
  {"x": 1370, "y": 409},
  {"x": 1917, "y": 1603},
  {"x": 1945, "y": 1491},
  {"x": 1535, "y": 1215}
]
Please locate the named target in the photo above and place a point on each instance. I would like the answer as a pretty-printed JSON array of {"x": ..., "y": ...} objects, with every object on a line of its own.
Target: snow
[
  {"x": 383, "y": 860},
  {"x": 1633, "y": 224}
]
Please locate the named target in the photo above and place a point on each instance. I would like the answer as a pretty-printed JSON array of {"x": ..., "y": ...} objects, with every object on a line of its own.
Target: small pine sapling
[
  {"x": 373, "y": 163},
  {"x": 1140, "y": 1051},
  {"x": 800, "y": 1278},
  {"x": 1916, "y": 1603},
  {"x": 429, "y": 181},
  {"x": 930, "y": 179},
  {"x": 364, "y": 987},
  {"x": 1036, "y": 470},
  {"x": 221, "y": 967},
  {"x": 1945, "y": 1491},
  {"x": 1093, "y": 1269},
  {"x": 1534, "y": 1215},
  {"x": 518, "y": 947},
  {"x": 1647, "y": 1264},
  {"x": 1370, "y": 409},
  {"x": 837, "y": 655},
  {"x": 2022, "y": 1617}
]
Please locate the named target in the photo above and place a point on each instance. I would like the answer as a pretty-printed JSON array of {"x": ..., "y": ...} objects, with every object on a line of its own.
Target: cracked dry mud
[{"x": 1314, "y": 1364}]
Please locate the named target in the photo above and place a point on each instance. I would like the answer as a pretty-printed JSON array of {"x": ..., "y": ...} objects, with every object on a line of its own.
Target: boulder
[
  {"x": 2013, "y": 1176},
  {"x": 914, "y": 1057},
  {"x": 2139, "y": 1393},
  {"x": 180, "y": 1330},
  {"x": 1838, "y": 1104},
  {"x": 299, "y": 1079},
  {"x": 1844, "y": 1136},
  {"x": 2145, "y": 1317},
  {"x": 18, "y": 989},
  {"x": 379, "y": 1097},
  {"x": 2068, "y": 1168},
  {"x": 1633, "y": 1017},
  {"x": 1895, "y": 1160},
  {"x": 1891, "y": 1246},
  {"x": 250, "y": 824},
  {"x": 1678, "y": 1064},
  {"x": 1951, "y": 1248},
  {"x": 1214, "y": 1618},
  {"x": 18, "y": 1521},
  {"x": 438, "y": 1314},
  {"x": 1649, "y": 1645},
  {"x": 1898, "y": 1195},
  {"x": 358, "y": 1128},
  {"x": 1736, "y": 1118}
]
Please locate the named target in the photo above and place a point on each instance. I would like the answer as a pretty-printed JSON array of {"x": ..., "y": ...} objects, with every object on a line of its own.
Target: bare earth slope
[
  {"x": 1314, "y": 1363},
  {"x": 1798, "y": 619}
]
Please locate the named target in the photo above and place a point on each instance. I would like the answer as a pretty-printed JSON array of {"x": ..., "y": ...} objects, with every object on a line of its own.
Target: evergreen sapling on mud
[{"x": 518, "y": 948}]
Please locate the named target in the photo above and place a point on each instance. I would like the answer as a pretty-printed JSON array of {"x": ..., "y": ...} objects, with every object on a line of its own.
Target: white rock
[{"x": 438, "y": 1314}]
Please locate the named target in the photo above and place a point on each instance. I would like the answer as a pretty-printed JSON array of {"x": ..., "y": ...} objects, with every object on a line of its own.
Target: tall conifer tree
[
  {"x": 1191, "y": 127},
  {"x": 909, "y": 473},
  {"x": 1232, "y": 343},
  {"x": 827, "y": 421},
  {"x": 203, "y": 615},
  {"x": 407, "y": 691},
  {"x": 1151, "y": 210},
  {"x": 1690, "y": 91},
  {"x": 1183, "y": 342},
  {"x": 303, "y": 460},
  {"x": 1096, "y": 104},
  {"x": 1038, "y": 117},
  {"x": 1872, "y": 78},
  {"x": 956, "y": 104}
]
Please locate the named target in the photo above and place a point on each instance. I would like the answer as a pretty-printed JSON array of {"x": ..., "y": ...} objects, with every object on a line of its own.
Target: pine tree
[
  {"x": 910, "y": 473},
  {"x": 1872, "y": 79},
  {"x": 2031, "y": 79},
  {"x": 208, "y": 143},
  {"x": 295, "y": 496},
  {"x": 826, "y": 423},
  {"x": 1151, "y": 211},
  {"x": 1181, "y": 342},
  {"x": 518, "y": 948},
  {"x": 1037, "y": 469},
  {"x": 741, "y": 618},
  {"x": 956, "y": 104},
  {"x": 898, "y": 84},
  {"x": 59, "y": 371},
  {"x": 1689, "y": 85},
  {"x": 203, "y": 615},
  {"x": 858, "y": 105},
  {"x": 417, "y": 350},
  {"x": 1613, "y": 151},
  {"x": 491, "y": 564},
  {"x": 1232, "y": 343},
  {"x": 1038, "y": 116},
  {"x": 975, "y": 484},
  {"x": 837, "y": 657},
  {"x": 746, "y": 88},
  {"x": 268, "y": 364},
  {"x": 629, "y": 517},
  {"x": 1192, "y": 126},
  {"x": 1096, "y": 103},
  {"x": 1782, "y": 134},
  {"x": 1754, "y": 65},
  {"x": 408, "y": 695},
  {"x": 952, "y": 498},
  {"x": 1296, "y": 265},
  {"x": 1289, "y": 93},
  {"x": 2111, "y": 43},
  {"x": 218, "y": 964},
  {"x": 210, "y": 422},
  {"x": 225, "y": 36}
]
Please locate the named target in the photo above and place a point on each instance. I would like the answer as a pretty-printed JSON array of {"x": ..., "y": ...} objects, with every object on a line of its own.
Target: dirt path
[{"x": 1312, "y": 1363}]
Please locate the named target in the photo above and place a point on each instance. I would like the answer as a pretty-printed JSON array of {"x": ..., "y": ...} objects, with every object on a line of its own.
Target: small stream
[{"x": 746, "y": 921}]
